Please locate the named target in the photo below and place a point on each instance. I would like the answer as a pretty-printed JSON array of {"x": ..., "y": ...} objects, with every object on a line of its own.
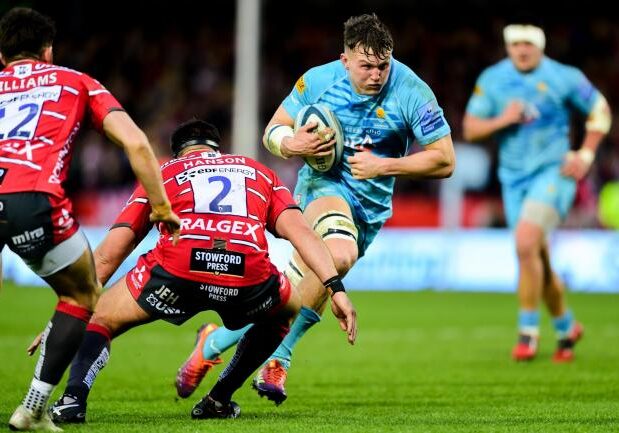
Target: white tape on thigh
[
  {"x": 336, "y": 225},
  {"x": 62, "y": 255},
  {"x": 540, "y": 214}
]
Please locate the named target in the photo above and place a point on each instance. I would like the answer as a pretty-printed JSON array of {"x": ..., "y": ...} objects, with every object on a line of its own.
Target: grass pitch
[{"x": 424, "y": 362}]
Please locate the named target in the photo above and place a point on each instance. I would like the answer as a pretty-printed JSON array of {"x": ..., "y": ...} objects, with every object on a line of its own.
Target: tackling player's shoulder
[
  {"x": 258, "y": 166},
  {"x": 76, "y": 79}
]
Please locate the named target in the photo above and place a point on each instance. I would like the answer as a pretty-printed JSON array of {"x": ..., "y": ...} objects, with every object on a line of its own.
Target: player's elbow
[
  {"x": 447, "y": 164},
  {"x": 469, "y": 130},
  {"x": 137, "y": 142},
  {"x": 467, "y": 134},
  {"x": 447, "y": 170}
]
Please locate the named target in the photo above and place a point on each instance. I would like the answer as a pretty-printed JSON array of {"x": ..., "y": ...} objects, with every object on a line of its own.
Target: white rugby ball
[{"x": 325, "y": 118}]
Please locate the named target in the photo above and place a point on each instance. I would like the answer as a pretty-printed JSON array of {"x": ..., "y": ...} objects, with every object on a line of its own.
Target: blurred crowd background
[{"x": 169, "y": 61}]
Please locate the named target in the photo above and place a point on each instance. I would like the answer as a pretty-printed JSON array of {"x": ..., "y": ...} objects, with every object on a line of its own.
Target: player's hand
[
  {"x": 308, "y": 142},
  {"x": 365, "y": 165},
  {"x": 163, "y": 214},
  {"x": 34, "y": 345},
  {"x": 346, "y": 315},
  {"x": 513, "y": 113},
  {"x": 575, "y": 165}
]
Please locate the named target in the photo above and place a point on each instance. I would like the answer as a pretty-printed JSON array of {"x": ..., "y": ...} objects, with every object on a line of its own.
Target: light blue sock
[
  {"x": 304, "y": 321},
  {"x": 220, "y": 340},
  {"x": 528, "y": 322},
  {"x": 563, "y": 324}
]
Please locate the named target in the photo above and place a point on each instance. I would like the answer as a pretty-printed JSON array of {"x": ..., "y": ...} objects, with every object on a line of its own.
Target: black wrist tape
[{"x": 334, "y": 284}]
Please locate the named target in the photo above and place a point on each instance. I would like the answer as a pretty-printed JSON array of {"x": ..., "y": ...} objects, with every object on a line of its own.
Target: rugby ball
[{"x": 325, "y": 118}]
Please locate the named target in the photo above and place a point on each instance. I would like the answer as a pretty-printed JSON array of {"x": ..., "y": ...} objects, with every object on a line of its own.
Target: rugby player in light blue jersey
[
  {"x": 383, "y": 106},
  {"x": 525, "y": 102}
]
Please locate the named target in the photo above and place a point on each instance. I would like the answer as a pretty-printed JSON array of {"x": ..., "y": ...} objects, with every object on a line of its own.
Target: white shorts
[{"x": 62, "y": 255}]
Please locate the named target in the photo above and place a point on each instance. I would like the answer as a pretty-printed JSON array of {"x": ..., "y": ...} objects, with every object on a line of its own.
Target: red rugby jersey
[
  {"x": 225, "y": 203},
  {"x": 42, "y": 107}
]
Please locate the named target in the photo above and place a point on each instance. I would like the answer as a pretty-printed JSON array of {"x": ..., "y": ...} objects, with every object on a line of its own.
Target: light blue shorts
[
  {"x": 546, "y": 186},
  {"x": 309, "y": 188}
]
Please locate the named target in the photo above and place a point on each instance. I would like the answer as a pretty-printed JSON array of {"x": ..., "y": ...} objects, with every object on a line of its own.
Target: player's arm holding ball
[
  {"x": 281, "y": 140},
  {"x": 437, "y": 160}
]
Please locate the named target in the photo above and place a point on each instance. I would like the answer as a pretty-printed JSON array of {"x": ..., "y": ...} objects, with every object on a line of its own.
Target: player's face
[
  {"x": 524, "y": 55},
  {"x": 368, "y": 73}
]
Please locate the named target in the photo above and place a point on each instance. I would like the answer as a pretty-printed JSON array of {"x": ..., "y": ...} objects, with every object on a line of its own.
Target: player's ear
[
  {"x": 2, "y": 60},
  {"x": 344, "y": 60},
  {"x": 48, "y": 54}
]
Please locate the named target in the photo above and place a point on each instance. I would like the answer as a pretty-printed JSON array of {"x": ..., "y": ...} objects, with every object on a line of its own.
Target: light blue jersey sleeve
[
  {"x": 422, "y": 112},
  {"x": 481, "y": 103},
  {"x": 582, "y": 94}
]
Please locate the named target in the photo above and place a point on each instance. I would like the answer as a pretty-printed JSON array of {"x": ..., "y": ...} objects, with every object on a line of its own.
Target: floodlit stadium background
[{"x": 181, "y": 62}]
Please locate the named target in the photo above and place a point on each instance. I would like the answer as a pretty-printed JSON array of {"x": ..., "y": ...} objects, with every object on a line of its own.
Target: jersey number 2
[{"x": 220, "y": 194}]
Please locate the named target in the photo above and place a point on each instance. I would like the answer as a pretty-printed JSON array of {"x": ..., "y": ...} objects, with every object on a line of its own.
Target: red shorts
[
  {"x": 175, "y": 300},
  {"x": 32, "y": 223}
]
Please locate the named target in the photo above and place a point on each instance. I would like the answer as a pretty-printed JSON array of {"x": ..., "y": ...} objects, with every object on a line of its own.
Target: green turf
[{"x": 424, "y": 362}]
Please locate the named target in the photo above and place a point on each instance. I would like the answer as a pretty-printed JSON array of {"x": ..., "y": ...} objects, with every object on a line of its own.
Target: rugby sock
[
  {"x": 90, "y": 359},
  {"x": 61, "y": 339},
  {"x": 563, "y": 324},
  {"x": 304, "y": 321},
  {"x": 59, "y": 342},
  {"x": 220, "y": 340},
  {"x": 36, "y": 399},
  {"x": 528, "y": 322},
  {"x": 251, "y": 352}
]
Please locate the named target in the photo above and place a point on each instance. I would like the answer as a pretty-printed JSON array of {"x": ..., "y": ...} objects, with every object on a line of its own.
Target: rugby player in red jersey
[
  {"x": 221, "y": 263},
  {"x": 42, "y": 108}
]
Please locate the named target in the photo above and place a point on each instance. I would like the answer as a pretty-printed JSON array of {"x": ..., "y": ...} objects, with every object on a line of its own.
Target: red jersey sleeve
[
  {"x": 135, "y": 215},
  {"x": 281, "y": 199},
  {"x": 100, "y": 101}
]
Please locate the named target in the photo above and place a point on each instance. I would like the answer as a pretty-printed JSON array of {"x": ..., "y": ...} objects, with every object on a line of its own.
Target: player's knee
[
  {"x": 340, "y": 233},
  {"x": 344, "y": 260},
  {"x": 529, "y": 240},
  {"x": 527, "y": 248},
  {"x": 88, "y": 294},
  {"x": 105, "y": 319}
]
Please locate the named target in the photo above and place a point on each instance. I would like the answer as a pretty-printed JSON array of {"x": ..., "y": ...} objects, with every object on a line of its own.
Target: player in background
[
  {"x": 221, "y": 263},
  {"x": 382, "y": 106},
  {"x": 524, "y": 101},
  {"x": 42, "y": 108}
]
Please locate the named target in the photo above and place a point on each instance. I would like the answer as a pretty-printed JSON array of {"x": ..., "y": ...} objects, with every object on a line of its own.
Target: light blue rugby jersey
[
  {"x": 406, "y": 109},
  {"x": 548, "y": 93}
]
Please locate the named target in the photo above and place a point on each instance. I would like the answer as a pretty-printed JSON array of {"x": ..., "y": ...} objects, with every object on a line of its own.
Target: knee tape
[{"x": 331, "y": 225}]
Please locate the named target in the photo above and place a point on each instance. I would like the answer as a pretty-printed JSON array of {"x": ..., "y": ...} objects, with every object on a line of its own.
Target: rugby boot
[
  {"x": 270, "y": 381},
  {"x": 526, "y": 348},
  {"x": 565, "y": 346},
  {"x": 191, "y": 373},
  {"x": 209, "y": 408},
  {"x": 24, "y": 420},
  {"x": 68, "y": 410}
]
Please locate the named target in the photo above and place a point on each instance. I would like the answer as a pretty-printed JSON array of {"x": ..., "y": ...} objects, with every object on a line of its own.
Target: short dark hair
[
  {"x": 192, "y": 133},
  {"x": 368, "y": 32},
  {"x": 25, "y": 32}
]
